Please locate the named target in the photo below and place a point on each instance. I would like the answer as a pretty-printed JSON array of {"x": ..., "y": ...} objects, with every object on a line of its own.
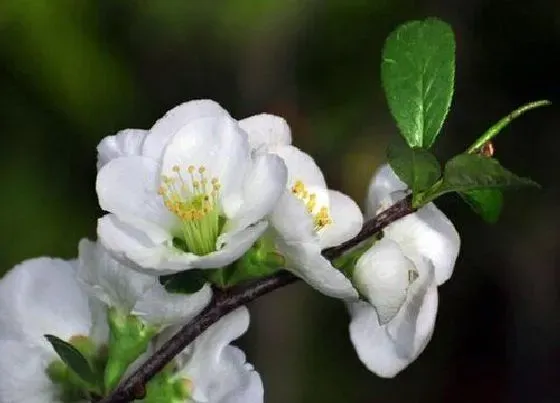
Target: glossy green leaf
[
  {"x": 487, "y": 203},
  {"x": 466, "y": 172},
  {"x": 502, "y": 123},
  {"x": 416, "y": 167},
  {"x": 418, "y": 72},
  {"x": 72, "y": 357}
]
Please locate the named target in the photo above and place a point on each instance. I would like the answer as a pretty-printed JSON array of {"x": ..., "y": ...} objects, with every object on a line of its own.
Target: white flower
[
  {"x": 132, "y": 292},
  {"x": 382, "y": 275},
  {"x": 309, "y": 217},
  {"x": 37, "y": 297},
  {"x": 188, "y": 193},
  {"x": 215, "y": 371},
  {"x": 427, "y": 232},
  {"x": 387, "y": 349},
  {"x": 392, "y": 331}
]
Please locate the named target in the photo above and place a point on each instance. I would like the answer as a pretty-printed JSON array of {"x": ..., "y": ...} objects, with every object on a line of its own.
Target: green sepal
[
  {"x": 260, "y": 260},
  {"x": 164, "y": 387},
  {"x": 128, "y": 339},
  {"x": 468, "y": 172},
  {"x": 487, "y": 203},
  {"x": 418, "y": 73},
  {"x": 416, "y": 167},
  {"x": 502, "y": 123}
]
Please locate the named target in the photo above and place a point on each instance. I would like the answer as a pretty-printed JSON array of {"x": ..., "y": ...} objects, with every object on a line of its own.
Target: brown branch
[{"x": 225, "y": 301}]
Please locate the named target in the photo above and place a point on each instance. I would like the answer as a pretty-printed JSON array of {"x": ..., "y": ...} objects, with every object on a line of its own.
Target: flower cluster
[{"x": 201, "y": 192}]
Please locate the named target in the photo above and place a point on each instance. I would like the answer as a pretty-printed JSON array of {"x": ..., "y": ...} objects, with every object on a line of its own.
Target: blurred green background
[{"x": 72, "y": 72}]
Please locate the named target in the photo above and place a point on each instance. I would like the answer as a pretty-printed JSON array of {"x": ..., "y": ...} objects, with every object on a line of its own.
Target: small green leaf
[
  {"x": 418, "y": 73},
  {"x": 416, "y": 167},
  {"x": 487, "y": 203},
  {"x": 73, "y": 359},
  {"x": 466, "y": 172},
  {"x": 185, "y": 282},
  {"x": 497, "y": 128}
]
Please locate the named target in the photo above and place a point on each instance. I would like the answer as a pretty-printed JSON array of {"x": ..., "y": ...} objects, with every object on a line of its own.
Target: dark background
[{"x": 72, "y": 72}]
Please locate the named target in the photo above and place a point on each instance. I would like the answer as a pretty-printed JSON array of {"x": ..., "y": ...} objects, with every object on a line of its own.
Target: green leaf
[
  {"x": 416, "y": 167},
  {"x": 497, "y": 128},
  {"x": 466, "y": 172},
  {"x": 185, "y": 282},
  {"x": 418, "y": 72},
  {"x": 487, "y": 203},
  {"x": 72, "y": 357}
]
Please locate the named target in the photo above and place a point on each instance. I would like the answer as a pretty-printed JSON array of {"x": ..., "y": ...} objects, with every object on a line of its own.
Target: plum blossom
[
  {"x": 37, "y": 297},
  {"x": 399, "y": 276},
  {"x": 213, "y": 371},
  {"x": 187, "y": 193},
  {"x": 309, "y": 216},
  {"x": 131, "y": 292}
]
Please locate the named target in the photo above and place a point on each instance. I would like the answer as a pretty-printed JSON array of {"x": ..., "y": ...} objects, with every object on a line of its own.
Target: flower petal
[
  {"x": 107, "y": 279},
  {"x": 41, "y": 296},
  {"x": 218, "y": 371},
  {"x": 305, "y": 261},
  {"x": 383, "y": 182},
  {"x": 291, "y": 222},
  {"x": 123, "y": 144},
  {"x": 388, "y": 349},
  {"x": 346, "y": 218},
  {"x": 22, "y": 374},
  {"x": 159, "y": 307},
  {"x": 428, "y": 232},
  {"x": 266, "y": 131},
  {"x": 301, "y": 167},
  {"x": 167, "y": 126},
  {"x": 130, "y": 244},
  {"x": 382, "y": 275},
  {"x": 128, "y": 188},
  {"x": 217, "y": 144},
  {"x": 264, "y": 184}
]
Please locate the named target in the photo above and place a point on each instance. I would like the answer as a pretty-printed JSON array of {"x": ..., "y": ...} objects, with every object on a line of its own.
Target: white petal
[
  {"x": 99, "y": 331},
  {"x": 217, "y": 144},
  {"x": 382, "y": 276},
  {"x": 128, "y": 188},
  {"x": 266, "y": 131},
  {"x": 130, "y": 244},
  {"x": 166, "y": 127},
  {"x": 112, "y": 282},
  {"x": 159, "y": 307},
  {"x": 41, "y": 296},
  {"x": 218, "y": 371},
  {"x": 305, "y": 261},
  {"x": 383, "y": 182},
  {"x": 291, "y": 222},
  {"x": 301, "y": 166},
  {"x": 230, "y": 248},
  {"x": 428, "y": 232},
  {"x": 388, "y": 349},
  {"x": 123, "y": 144},
  {"x": 263, "y": 186},
  {"x": 346, "y": 218},
  {"x": 22, "y": 374}
]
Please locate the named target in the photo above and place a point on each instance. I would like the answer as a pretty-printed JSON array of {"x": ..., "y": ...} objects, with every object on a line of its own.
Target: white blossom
[
  {"x": 187, "y": 193},
  {"x": 215, "y": 371},
  {"x": 309, "y": 217},
  {"x": 39, "y": 296},
  {"x": 131, "y": 292},
  {"x": 399, "y": 276}
]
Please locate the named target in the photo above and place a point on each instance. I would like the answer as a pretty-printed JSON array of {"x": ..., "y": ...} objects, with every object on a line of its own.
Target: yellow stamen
[{"x": 321, "y": 218}]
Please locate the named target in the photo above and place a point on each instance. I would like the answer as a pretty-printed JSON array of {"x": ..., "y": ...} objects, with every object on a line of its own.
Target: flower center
[
  {"x": 195, "y": 201},
  {"x": 320, "y": 215}
]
